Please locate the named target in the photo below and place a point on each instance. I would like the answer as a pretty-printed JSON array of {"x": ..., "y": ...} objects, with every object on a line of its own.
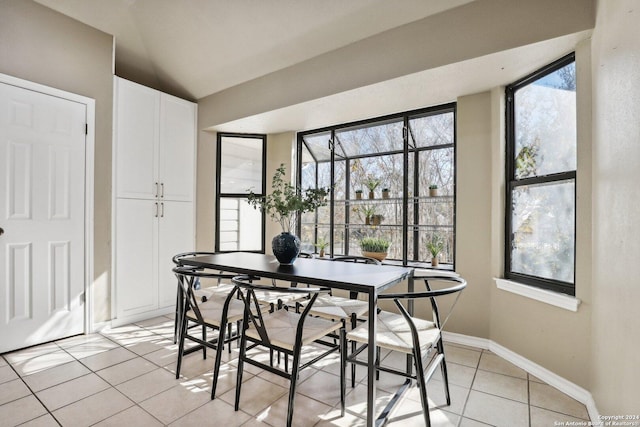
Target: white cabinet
[
  {"x": 153, "y": 181},
  {"x": 148, "y": 234},
  {"x": 155, "y": 143}
]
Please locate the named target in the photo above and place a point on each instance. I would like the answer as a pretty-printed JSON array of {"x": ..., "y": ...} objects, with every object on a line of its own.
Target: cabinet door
[
  {"x": 176, "y": 234},
  {"x": 137, "y": 110},
  {"x": 136, "y": 256},
  {"x": 177, "y": 148}
]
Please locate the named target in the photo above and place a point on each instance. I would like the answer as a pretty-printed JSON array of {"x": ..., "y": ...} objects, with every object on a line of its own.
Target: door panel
[
  {"x": 137, "y": 112},
  {"x": 177, "y": 145},
  {"x": 42, "y": 150},
  {"x": 136, "y": 254},
  {"x": 176, "y": 236},
  {"x": 19, "y": 282}
]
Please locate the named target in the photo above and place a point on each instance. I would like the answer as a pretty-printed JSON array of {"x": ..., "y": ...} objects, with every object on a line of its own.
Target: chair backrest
[
  {"x": 356, "y": 258},
  {"x": 455, "y": 285},
  {"x": 253, "y": 310},
  {"x": 177, "y": 260},
  {"x": 187, "y": 279}
]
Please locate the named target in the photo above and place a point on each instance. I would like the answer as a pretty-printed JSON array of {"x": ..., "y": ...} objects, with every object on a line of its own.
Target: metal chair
[
  {"x": 199, "y": 291},
  {"x": 218, "y": 311},
  {"x": 224, "y": 286},
  {"x": 285, "y": 331},
  {"x": 413, "y": 336},
  {"x": 342, "y": 309}
]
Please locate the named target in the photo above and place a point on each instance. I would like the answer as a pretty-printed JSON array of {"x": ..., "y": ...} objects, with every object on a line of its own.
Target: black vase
[{"x": 286, "y": 248}]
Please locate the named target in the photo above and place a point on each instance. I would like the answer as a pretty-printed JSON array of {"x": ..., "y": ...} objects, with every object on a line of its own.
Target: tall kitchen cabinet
[{"x": 153, "y": 206}]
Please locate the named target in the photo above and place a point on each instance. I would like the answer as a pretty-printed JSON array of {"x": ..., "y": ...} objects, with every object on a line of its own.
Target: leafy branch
[{"x": 285, "y": 201}]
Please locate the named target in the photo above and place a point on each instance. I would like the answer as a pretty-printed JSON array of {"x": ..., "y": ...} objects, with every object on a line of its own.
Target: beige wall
[
  {"x": 535, "y": 330},
  {"x": 205, "y": 189},
  {"x": 45, "y": 47},
  {"x": 473, "y": 214},
  {"x": 403, "y": 51},
  {"x": 616, "y": 208}
]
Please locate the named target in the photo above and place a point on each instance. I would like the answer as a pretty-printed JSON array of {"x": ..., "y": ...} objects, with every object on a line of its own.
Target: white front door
[{"x": 42, "y": 202}]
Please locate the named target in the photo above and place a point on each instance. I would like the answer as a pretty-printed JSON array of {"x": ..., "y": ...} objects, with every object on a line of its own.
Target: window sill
[{"x": 553, "y": 298}]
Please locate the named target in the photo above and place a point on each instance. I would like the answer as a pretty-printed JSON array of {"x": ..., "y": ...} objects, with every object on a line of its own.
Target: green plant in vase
[
  {"x": 369, "y": 212},
  {"x": 321, "y": 244},
  {"x": 435, "y": 247},
  {"x": 371, "y": 183},
  {"x": 283, "y": 205},
  {"x": 374, "y": 247}
]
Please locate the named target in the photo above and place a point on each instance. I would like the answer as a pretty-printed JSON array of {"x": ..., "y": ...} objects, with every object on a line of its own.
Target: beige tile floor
[{"x": 126, "y": 377}]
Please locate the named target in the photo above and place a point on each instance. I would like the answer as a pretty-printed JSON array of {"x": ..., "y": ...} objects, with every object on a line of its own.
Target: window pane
[
  {"x": 240, "y": 225},
  {"x": 543, "y": 227},
  {"x": 388, "y": 170},
  {"x": 370, "y": 139},
  {"x": 240, "y": 165},
  {"x": 318, "y": 145},
  {"x": 545, "y": 125},
  {"x": 308, "y": 174},
  {"x": 436, "y": 168},
  {"x": 431, "y": 130}
]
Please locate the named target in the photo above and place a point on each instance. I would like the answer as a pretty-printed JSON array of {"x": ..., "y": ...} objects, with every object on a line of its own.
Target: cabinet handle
[
  {"x": 156, "y": 214},
  {"x": 156, "y": 189},
  {"x": 161, "y": 210},
  {"x": 162, "y": 189}
]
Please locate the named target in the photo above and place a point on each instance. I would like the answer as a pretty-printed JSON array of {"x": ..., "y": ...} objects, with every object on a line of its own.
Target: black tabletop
[{"x": 341, "y": 275}]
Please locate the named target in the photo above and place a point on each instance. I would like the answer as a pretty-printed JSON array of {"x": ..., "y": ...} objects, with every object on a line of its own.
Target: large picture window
[
  {"x": 240, "y": 168},
  {"x": 381, "y": 171},
  {"x": 541, "y": 178}
]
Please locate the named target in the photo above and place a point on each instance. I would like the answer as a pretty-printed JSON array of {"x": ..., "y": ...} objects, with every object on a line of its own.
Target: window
[
  {"x": 541, "y": 178},
  {"x": 406, "y": 154},
  {"x": 241, "y": 164}
]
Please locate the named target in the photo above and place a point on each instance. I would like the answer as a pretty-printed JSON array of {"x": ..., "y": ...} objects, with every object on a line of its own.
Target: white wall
[{"x": 616, "y": 208}]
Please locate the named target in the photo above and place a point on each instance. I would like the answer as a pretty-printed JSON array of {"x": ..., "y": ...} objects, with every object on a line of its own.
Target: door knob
[{"x": 1, "y": 231}]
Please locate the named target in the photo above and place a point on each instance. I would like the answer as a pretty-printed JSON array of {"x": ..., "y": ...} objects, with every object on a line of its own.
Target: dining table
[{"x": 366, "y": 279}]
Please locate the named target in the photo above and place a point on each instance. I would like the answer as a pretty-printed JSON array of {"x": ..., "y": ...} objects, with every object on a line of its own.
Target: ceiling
[{"x": 196, "y": 48}]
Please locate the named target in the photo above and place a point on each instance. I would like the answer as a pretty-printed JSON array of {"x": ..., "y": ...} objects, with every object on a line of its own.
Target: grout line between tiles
[
  {"x": 464, "y": 407},
  {"x": 35, "y": 396}
]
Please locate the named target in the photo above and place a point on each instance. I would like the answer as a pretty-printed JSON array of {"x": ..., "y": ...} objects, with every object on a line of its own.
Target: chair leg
[
  {"x": 243, "y": 350},
  {"x": 183, "y": 332},
  {"x": 177, "y": 316},
  {"x": 216, "y": 365},
  {"x": 204, "y": 338},
  {"x": 343, "y": 368},
  {"x": 422, "y": 385},
  {"x": 292, "y": 387},
  {"x": 443, "y": 368},
  {"x": 229, "y": 334},
  {"x": 354, "y": 323}
]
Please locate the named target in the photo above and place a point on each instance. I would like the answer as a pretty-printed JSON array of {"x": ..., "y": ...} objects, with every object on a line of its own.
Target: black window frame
[
  {"x": 408, "y": 252},
  {"x": 513, "y": 183},
  {"x": 220, "y": 195}
]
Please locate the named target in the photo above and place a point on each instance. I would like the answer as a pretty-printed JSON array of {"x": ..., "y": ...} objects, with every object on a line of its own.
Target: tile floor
[{"x": 126, "y": 377}]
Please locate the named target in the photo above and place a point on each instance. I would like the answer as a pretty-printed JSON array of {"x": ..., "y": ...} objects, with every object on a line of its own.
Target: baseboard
[
  {"x": 99, "y": 326},
  {"x": 467, "y": 340},
  {"x": 567, "y": 387},
  {"x": 141, "y": 316}
]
